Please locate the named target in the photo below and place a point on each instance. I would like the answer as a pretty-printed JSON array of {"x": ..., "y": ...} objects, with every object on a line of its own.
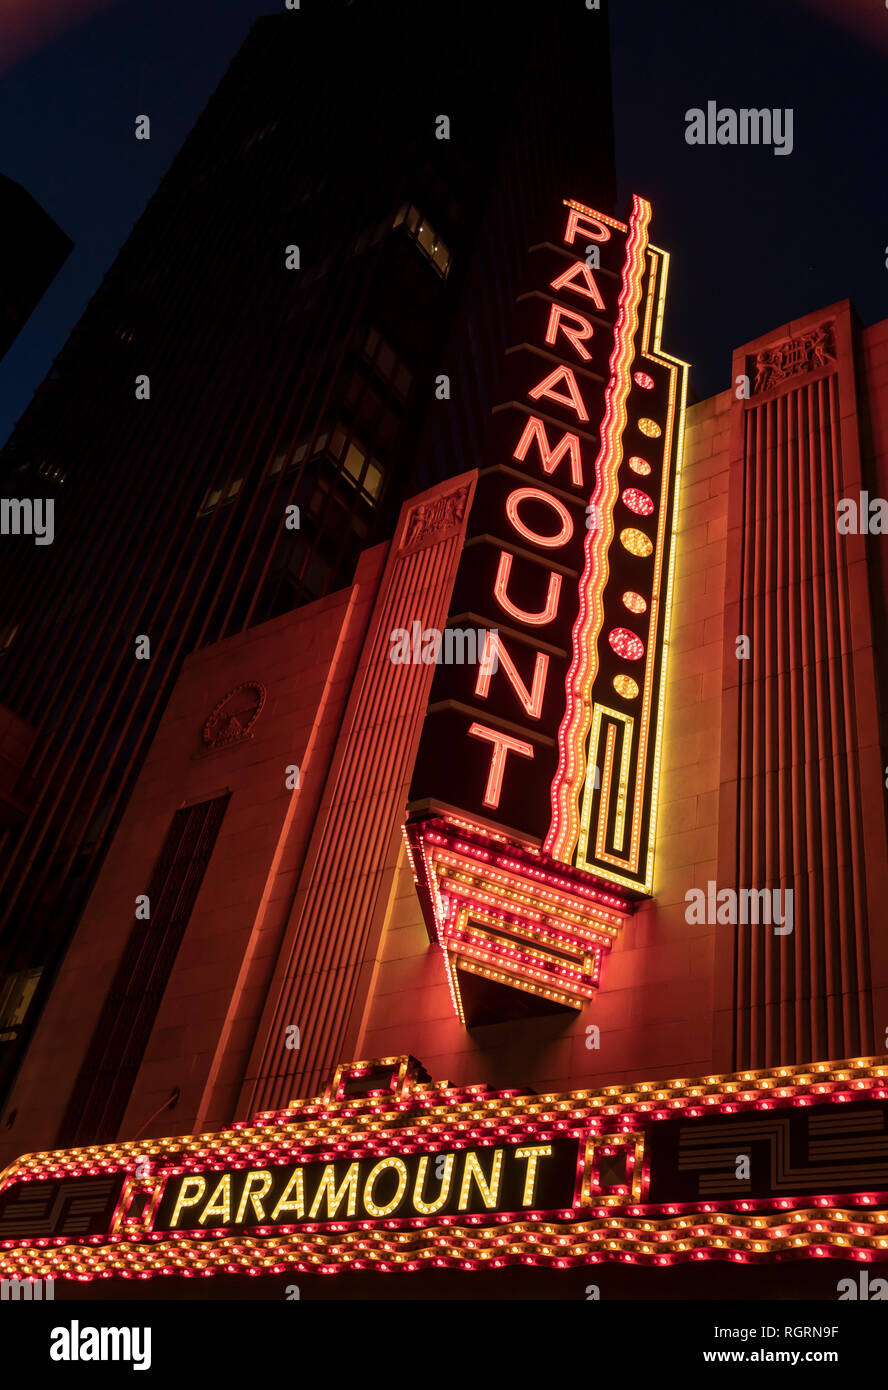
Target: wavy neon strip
[{"x": 563, "y": 831}]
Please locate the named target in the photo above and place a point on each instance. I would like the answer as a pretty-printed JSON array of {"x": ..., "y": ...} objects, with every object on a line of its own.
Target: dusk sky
[{"x": 756, "y": 238}]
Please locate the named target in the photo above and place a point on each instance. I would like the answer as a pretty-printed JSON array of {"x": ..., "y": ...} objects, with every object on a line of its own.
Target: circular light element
[
  {"x": 644, "y": 381},
  {"x": 625, "y": 686},
  {"x": 650, "y": 428},
  {"x": 636, "y": 542},
  {"x": 634, "y": 602},
  {"x": 638, "y": 501},
  {"x": 639, "y": 466},
  {"x": 626, "y": 644},
  {"x": 550, "y": 542}
]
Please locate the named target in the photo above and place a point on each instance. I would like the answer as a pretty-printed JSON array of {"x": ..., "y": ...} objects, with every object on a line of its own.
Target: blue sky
[{"x": 756, "y": 239}]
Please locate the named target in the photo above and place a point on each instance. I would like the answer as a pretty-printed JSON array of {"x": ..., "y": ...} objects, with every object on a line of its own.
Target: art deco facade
[
  {"x": 496, "y": 970},
  {"x": 298, "y": 923},
  {"x": 208, "y": 388}
]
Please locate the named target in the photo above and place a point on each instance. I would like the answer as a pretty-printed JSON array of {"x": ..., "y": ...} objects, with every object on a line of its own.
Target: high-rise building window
[
  {"x": 286, "y": 458},
  {"x": 358, "y": 468},
  {"x": 388, "y": 363},
  {"x": 218, "y": 496},
  {"x": 420, "y": 230},
  {"x": 16, "y": 992},
  {"x": 48, "y": 470}
]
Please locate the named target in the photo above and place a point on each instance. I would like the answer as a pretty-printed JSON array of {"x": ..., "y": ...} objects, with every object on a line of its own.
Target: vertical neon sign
[{"x": 568, "y": 556}]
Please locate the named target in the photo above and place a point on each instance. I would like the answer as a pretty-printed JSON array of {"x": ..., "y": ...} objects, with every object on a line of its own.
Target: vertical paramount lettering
[{"x": 557, "y": 751}]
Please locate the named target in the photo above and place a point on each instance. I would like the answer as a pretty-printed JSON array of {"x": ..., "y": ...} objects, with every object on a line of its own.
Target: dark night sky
[{"x": 756, "y": 238}]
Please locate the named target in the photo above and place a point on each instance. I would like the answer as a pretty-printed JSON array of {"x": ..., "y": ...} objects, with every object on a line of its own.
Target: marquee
[{"x": 389, "y": 1170}]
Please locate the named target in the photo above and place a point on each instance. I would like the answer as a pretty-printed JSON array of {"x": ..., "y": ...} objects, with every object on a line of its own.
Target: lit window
[
  {"x": 423, "y": 233},
  {"x": 373, "y": 480},
  {"x": 16, "y": 993},
  {"x": 426, "y": 238},
  {"x": 354, "y": 462},
  {"x": 441, "y": 259},
  {"x": 285, "y": 459},
  {"x": 357, "y": 469},
  {"x": 47, "y": 470},
  {"x": 218, "y": 496}
]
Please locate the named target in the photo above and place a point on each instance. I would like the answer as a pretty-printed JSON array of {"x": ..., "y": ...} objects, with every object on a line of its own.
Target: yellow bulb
[
  {"x": 625, "y": 686},
  {"x": 636, "y": 542}
]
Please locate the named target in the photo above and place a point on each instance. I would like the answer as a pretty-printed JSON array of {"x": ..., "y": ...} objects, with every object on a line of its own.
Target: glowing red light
[
  {"x": 626, "y": 644},
  {"x": 643, "y": 380},
  {"x": 638, "y": 501}
]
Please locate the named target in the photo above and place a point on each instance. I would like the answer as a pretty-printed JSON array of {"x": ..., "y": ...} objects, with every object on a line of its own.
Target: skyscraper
[
  {"x": 35, "y": 249},
  {"x": 257, "y": 385}
]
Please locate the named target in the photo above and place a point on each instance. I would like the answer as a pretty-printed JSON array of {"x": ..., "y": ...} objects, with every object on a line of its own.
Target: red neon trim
[
  {"x": 573, "y": 400},
  {"x": 531, "y": 700},
  {"x": 593, "y": 229},
  {"x": 566, "y": 279},
  {"x": 574, "y": 336},
  {"x": 549, "y": 542},
  {"x": 502, "y": 744},
  {"x": 553, "y": 594},
  {"x": 535, "y": 433},
  {"x": 561, "y": 839}
]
